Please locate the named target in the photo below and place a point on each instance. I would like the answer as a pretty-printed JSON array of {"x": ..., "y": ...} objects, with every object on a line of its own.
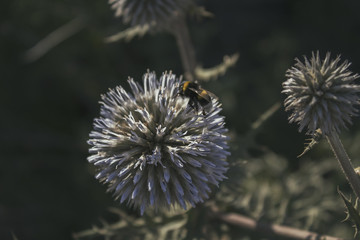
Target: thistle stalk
[
  {"x": 180, "y": 31},
  {"x": 344, "y": 162},
  {"x": 169, "y": 15}
]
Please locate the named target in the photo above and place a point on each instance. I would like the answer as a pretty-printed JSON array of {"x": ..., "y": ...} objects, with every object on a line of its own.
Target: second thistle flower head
[
  {"x": 146, "y": 12},
  {"x": 321, "y": 94},
  {"x": 153, "y": 149}
]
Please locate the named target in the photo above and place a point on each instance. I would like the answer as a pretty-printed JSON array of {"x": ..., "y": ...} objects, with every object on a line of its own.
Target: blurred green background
[{"x": 47, "y": 188}]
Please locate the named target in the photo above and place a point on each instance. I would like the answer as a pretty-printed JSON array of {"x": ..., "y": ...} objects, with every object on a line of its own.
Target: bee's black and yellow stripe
[
  {"x": 203, "y": 94},
  {"x": 196, "y": 94},
  {"x": 185, "y": 86}
]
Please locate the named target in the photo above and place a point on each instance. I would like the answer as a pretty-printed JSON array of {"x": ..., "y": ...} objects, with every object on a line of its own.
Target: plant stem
[
  {"x": 345, "y": 162},
  {"x": 187, "y": 53},
  {"x": 55, "y": 38},
  {"x": 270, "y": 229},
  {"x": 265, "y": 116}
]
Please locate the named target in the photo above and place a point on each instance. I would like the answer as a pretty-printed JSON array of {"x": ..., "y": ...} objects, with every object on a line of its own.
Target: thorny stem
[
  {"x": 187, "y": 53},
  {"x": 269, "y": 229},
  {"x": 345, "y": 162}
]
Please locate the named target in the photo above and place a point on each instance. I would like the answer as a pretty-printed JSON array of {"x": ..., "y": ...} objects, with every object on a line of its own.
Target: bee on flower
[{"x": 152, "y": 148}]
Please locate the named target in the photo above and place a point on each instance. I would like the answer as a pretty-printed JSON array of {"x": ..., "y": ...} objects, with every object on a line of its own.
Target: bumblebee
[{"x": 197, "y": 96}]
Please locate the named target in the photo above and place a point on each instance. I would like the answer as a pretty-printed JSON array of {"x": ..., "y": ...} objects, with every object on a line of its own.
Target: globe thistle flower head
[
  {"x": 152, "y": 149},
  {"x": 149, "y": 12},
  {"x": 322, "y": 94}
]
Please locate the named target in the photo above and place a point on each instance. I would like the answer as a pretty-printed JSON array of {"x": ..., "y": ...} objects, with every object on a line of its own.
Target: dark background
[{"x": 47, "y": 188}]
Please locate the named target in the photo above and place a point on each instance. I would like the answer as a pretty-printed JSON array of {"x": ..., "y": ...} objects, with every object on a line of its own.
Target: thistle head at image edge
[
  {"x": 321, "y": 94},
  {"x": 150, "y": 12}
]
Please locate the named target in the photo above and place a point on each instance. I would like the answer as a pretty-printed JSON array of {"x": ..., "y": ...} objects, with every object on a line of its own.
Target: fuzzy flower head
[
  {"x": 322, "y": 94},
  {"x": 146, "y": 12},
  {"x": 152, "y": 149}
]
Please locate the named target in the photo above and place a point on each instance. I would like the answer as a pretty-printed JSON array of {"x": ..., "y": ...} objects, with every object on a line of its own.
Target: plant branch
[
  {"x": 269, "y": 229},
  {"x": 128, "y": 34},
  {"x": 55, "y": 38},
  {"x": 187, "y": 52},
  {"x": 265, "y": 116},
  {"x": 206, "y": 74},
  {"x": 344, "y": 162},
  {"x": 257, "y": 125}
]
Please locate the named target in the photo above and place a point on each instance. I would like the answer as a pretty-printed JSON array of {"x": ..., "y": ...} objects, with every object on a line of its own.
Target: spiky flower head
[
  {"x": 146, "y": 12},
  {"x": 322, "y": 94},
  {"x": 152, "y": 149}
]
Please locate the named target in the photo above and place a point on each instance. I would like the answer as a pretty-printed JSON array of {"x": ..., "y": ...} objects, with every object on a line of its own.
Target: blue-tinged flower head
[
  {"x": 146, "y": 12},
  {"x": 152, "y": 149},
  {"x": 321, "y": 94}
]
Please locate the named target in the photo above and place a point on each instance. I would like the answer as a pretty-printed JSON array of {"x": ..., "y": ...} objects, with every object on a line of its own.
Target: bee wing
[
  {"x": 212, "y": 95},
  {"x": 197, "y": 91},
  {"x": 193, "y": 89}
]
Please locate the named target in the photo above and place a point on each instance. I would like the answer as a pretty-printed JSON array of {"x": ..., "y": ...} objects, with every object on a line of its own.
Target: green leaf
[
  {"x": 352, "y": 211},
  {"x": 316, "y": 137}
]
